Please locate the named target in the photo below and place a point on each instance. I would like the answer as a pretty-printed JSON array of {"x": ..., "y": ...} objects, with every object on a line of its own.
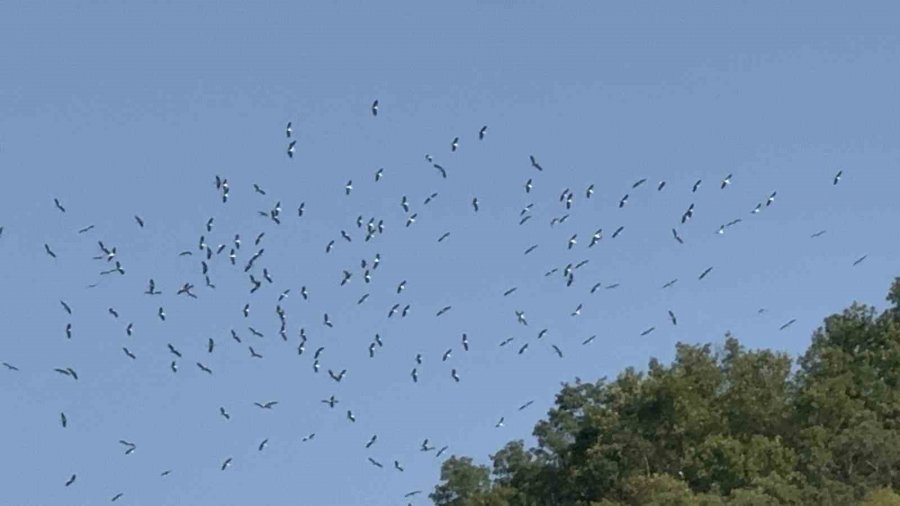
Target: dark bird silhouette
[
  {"x": 71, "y": 480},
  {"x": 534, "y": 163},
  {"x": 482, "y": 132},
  {"x": 265, "y": 405},
  {"x": 788, "y": 324},
  {"x": 375, "y": 108},
  {"x": 860, "y": 260},
  {"x": 704, "y": 273},
  {"x": 204, "y": 368},
  {"x": 59, "y": 205},
  {"x": 837, "y": 177},
  {"x": 49, "y": 251}
]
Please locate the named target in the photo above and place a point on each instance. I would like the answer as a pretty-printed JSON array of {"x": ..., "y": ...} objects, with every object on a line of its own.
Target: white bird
[
  {"x": 726, "y": 181},
  {"x": 520, "y": 317}
]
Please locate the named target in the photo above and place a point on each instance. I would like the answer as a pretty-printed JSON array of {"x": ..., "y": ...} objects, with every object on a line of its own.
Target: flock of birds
[{"x": 250, "y": 258}]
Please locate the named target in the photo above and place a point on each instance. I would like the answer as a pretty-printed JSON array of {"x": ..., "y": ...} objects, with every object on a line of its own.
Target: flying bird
[
  {"x": 482, "y": 132},
  {"x": 860, "y": 260},
  {"x": 58, "y": 205},
  {"x": 788, "y": 324},
  {"x": 837, "y": 177},
  {"x": 696, "y": 186},
  {"x": 704, "y": 273},
  {"x": 375, "y": 108},
  {"x": 726, "y": 182},
  {"x": 688, "y": 214},
  {"x": 534, "y": 163}
]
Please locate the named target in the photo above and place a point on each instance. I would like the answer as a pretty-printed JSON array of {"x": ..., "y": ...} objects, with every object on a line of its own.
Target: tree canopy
[{"x": 731, "y": 427}]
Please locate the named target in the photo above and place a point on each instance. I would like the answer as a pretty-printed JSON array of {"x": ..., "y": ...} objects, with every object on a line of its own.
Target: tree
[{"x": 734, "y": 427}]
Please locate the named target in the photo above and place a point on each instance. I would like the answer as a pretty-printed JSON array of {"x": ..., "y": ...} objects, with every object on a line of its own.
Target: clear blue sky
[{"x": 124, "y": 108}]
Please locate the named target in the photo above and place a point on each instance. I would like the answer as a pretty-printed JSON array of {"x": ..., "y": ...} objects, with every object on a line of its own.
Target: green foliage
[
  {"x": 881, "y": 497},
  {"x": 734, "y": 428}
]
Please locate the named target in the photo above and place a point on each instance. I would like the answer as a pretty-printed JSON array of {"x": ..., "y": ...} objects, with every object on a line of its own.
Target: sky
[{"x": 132, "y": 108}]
